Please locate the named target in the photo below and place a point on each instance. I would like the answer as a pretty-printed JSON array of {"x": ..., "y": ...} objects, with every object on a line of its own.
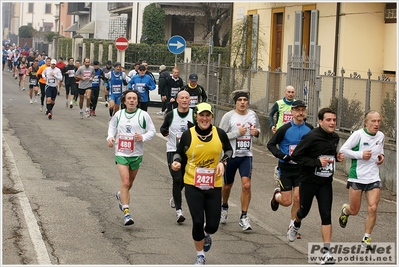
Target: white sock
[{"x": 201, "y": 253}]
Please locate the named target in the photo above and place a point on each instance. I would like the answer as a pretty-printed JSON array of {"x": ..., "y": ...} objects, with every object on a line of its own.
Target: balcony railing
[
  {"x": 77, "y": 8},
  {"x": 115, "y": 6}
]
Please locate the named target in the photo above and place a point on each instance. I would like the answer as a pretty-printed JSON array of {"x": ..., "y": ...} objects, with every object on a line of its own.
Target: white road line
[{"x": 33, "y": 228}]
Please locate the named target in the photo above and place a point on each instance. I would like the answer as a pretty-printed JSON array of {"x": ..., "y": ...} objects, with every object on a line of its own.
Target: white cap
[{"x": 53, "y": 61}]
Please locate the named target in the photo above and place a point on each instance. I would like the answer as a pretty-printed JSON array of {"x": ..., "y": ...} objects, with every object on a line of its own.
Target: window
[
  {"x": 390, "y": 13},
  {"x": 30, "y": 7},
  {"x": 48, "y": 8},
  {"x": 29, "y": 24}
]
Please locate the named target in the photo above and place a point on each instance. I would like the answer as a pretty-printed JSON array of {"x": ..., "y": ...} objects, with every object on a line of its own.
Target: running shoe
[
  {"x": 299, "y": 236},
  {"x": 207, "y": 242},
  {"x": 244, "y": 223},
  {"x": 50, "y": 116},
  {"x": 15, "y": 77},
  {"x": 41, "y": 108},
  {"x": 366, "y": 243},
  {"x": 127, "y": 219},
  {"x": 159, "y": 113},
  {"x": 118, "y": 197},
  {"x": 172, "y": 203},
  {"x": 87, "y": 114},
  {"x": 179, "y": 216},
  {"x": 223, "y": 216},
  {"x": 71, "y": 105},
  {"x": 81, "y": 114},
  {"x": 23, "y": 88},
  {"x": 343, "y": 218},
  {"x": 106, "y": 103},
  {"x": 292, "y": 233},
  {"x": 75, "y": 103},
  {"x": 200, "y": 260},
  {"x": 30, "y": 101},
  {"x": 93, "y": 113},
  {"x": 273, "y": 202},
  {"x": 328, "y": 258}
]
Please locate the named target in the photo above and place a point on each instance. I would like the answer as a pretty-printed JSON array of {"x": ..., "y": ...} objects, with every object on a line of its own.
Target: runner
[
  {"x": 70, "y": 81},
  {"x": 241, "y": 125},
  {"x": 51, "y": 75},
  {"x": 365, "y": 148},
  {"x": 127, "y": 131},
  {"x": 85, "y": 74},
  {"x": 175, "y": 123},
  {"x": 282, "y": 144},
  {"x": 95, "y": 90},
  {"x": 200, "y": 155},
  {"x": 22, "y": 68},
  {"x": 142, "y": 83},
  {"x": 116, "y": 78},
  {"x": 42, "y": 82},
  {"x": 316, "y": 153},
  {"x": 107, "y": 69},
  {"x": 33, "y": 81}
]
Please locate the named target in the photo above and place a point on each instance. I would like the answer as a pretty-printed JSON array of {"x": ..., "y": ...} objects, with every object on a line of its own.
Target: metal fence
[{"x": 350, "y": 96}]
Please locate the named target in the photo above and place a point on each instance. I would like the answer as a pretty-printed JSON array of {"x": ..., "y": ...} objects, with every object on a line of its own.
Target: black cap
[
  {"x": 109, "y": 62},
  {"x": 298, "y": 103},
  {"x": 193, "y": 77},
  {"x": 95, "y": 62},
  {"x": 142, "y": 67}
]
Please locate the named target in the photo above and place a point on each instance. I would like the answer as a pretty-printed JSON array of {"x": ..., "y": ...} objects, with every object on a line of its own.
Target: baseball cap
[
  {"x": 298, "y": 103},
  {"x": 204, "y": 107},
  {"x": 142, "y": 67},
  {"x": 193, "y": 77},
  {"x": 53, "y": 61},
  {"x": 109, "y": 62},
  {"x": 95, "y": 62}
]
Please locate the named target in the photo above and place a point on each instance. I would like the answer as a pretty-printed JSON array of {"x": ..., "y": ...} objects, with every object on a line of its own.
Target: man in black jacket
[
  {"x": 163, "y": 75},
  {"x": 316, "y": 153},
  {"x": 196, "y": 91},
  {"x": 173, "y": 85},
  {"x": 70, "y": 82}
]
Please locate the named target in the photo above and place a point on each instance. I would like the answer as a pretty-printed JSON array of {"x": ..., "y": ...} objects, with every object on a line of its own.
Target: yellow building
[{"x": 354, "y": 36}]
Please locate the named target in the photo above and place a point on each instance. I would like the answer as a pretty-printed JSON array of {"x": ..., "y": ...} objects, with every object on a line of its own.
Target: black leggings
[
  {"x": 199, "y": 201},
  {"x": 177, "y": 181},
  {"x": 42, "y": 92},
  {"x": 95, "y": 91},
  {"x": 324, "y": 198}
]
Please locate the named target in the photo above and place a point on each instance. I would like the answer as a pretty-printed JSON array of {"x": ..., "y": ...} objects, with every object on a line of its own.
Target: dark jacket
[
  {"x": 163, "y": 75},
  {"x": 312, "y": 145}
]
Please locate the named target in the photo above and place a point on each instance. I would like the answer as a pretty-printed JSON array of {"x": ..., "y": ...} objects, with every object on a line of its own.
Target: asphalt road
[{"x": 59, "y": 206}]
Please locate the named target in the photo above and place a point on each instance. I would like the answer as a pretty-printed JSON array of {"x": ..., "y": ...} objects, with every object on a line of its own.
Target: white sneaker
[
  {"x": 179, "y": 216},
  {"x": 172, "y": 203},
  {"x": 81, "y": 114},
  {"x": 292, "y": 233},
  {"x": 87, "y": 114},
  {"x": 328, "y": 258},
  {"x": 244, "y": 223},
  {"x": 31, "y": 101},
  {"x": 223, "y": 216}
]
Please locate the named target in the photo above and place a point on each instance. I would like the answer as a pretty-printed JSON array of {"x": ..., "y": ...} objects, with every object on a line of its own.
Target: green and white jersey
[
  {"x": 177, "y": 127},
  {"x": 124, "y": 125},
  {"x": 231, "y": 122},
  {"x": 363, "y": 171}
]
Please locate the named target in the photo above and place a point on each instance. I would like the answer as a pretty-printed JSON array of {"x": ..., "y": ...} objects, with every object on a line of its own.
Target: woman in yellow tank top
[{"x": 203, "y": 152}]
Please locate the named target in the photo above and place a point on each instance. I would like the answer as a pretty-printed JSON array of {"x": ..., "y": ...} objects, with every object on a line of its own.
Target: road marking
[{"x": 33, "y": 228}]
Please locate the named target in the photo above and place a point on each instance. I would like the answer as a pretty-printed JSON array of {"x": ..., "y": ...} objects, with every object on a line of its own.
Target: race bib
[
  {"x": 174, "y": 91},
  {"x": 327, "y": 170},
  {"x": 87, "y": 74},
  {"x": 287, "y": 116},
  {"x": 51, "y": 82},
  {"x": 141, "y": 87},
  {"x": 126, "y": 144},
  {"x": 96, "y": 79},
  {"x": 204, "y": 178},
  {"x": 291, "y": 150},
  {"x": 116, "y": 88},
  {"x": 33, "y": 81},
  {"x": 71, "y": 73},
  {"x": 243, "y": 143},
  {"x": 193, "y": 101}
]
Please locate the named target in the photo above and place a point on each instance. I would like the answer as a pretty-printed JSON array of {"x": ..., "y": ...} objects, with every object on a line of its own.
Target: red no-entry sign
[{"x": 121, "y": 43}]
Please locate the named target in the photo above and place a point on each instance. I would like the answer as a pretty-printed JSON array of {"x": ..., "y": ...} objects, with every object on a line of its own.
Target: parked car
[{"x": 155, "y": 98}]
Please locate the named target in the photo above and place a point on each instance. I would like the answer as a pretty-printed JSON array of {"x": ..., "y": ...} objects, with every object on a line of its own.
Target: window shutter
[
  {"x": 244, "y": 41},
  {"x": 254, "y": 48},
  {"x": 314, "y": 19},
  {"x": 298, "y": 34}
]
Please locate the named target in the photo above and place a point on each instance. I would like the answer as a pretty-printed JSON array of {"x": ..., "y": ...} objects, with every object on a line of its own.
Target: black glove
[
  {"x": 147, "y": 87},
  {"x": 124, "y": 82},
  {"x": 286, "y": 158}
]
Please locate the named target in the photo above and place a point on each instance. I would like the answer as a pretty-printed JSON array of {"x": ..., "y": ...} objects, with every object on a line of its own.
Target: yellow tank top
[{"x": 203, "y": 155}]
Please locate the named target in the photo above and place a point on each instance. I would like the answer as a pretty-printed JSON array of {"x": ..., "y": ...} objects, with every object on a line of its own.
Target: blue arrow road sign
[{"x": 176, "y": 44}]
